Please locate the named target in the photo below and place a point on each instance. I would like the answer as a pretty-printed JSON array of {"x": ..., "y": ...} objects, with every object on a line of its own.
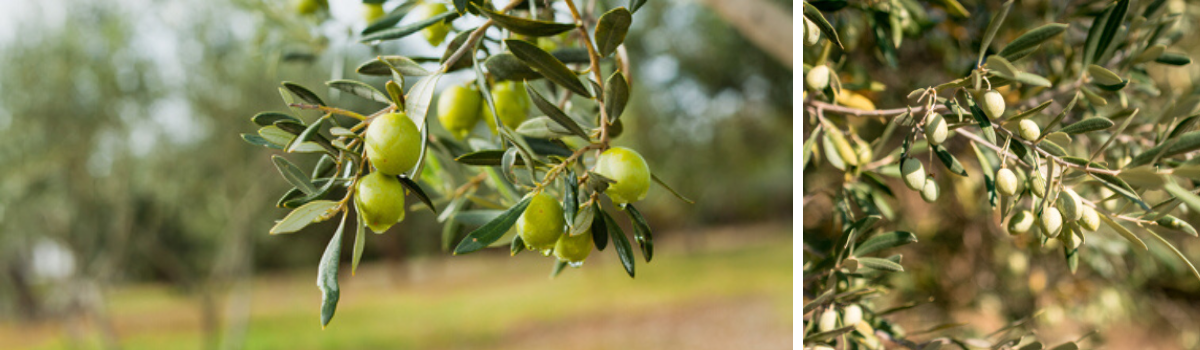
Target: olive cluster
[{"x": 460, "y": 107}]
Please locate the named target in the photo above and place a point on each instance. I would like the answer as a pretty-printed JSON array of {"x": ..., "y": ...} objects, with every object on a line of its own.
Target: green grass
[{"x": 474, "y": 301}]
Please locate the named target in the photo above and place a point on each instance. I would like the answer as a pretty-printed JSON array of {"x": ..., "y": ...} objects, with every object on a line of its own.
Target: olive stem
[
  {"x": 553, "y": 172},
  {"x": 594, "y": 57},
  {"x": 333, "y": 110}
]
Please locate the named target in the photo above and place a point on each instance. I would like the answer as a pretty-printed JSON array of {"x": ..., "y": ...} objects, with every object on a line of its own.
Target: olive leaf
[
  {"x": 258, "y": 140},
  {"x": 884, "y": 241},
  {"x": 1120, "y": 187},
  {"x": 599, "y": 228},
  {"x": 1177, "y": 253},
  {"x": 327, "y": 275},
  {"x": 493, "y": 230},
  {"x": 815, "y": 16},
  {"x": 880, "y": 264},
  {"x": 1174, "y": 59},
  {"x": 385, "y": 65},
  {"x": 641, "y": 231},
  {"x": 301, "y": 217},
  {"x": 506, "y": 66},
  {"x": 1103, "y": 76},
  {"x": 524, "y": 26},
  {"x": 547, "y": 65},
  {"x": 1124, "y": 232},
  {"x": 616, "y": 95},
  {"x": 400, "y": 32},
  {"x": 611, "y": 29},
  {"x": 1032, "y": 39},
  {"x": 360, "y": 240},
  {"x": 416, "y": 189},
  {"x": 391, "y": 18},
  {"x": 1183, "y": 144},
  {"x": 269, "y": 118},
  {"x": 993, "y": 27},
  {"x": 624, "y": 250},
  {"x": 1087, "y": 125},
  {"x": 484, "y": 158},
  {"x": 949, "y": 161},
  {"x": 303, "y": 93},
  {"x": 293, "y": 175},
  {"x": 554, "y": 113}
]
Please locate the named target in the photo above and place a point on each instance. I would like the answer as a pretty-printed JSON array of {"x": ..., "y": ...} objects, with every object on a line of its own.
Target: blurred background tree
[{"x": 123, "y": 167}]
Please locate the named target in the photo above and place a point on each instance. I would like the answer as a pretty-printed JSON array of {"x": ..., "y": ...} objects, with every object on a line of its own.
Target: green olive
[
  {"x": 629, "y": 170},
  {"x": 458, "y": 109},
  {"x": 574, "y": 249},
  {"x": 1006, "y": 182},
  {"x": 1020, "y": 222},
  {"x": 992, "y": 104},
  {"x": 512, "y": 103},
  {"x": 852, "y": 314},
  {"x": 372, "y": 12},
  {"x": 393, "y": 143},
  {"x": 935, "y": 129},
  {"x": 1029, "y": 130},
  {"x": 542, "y": 223},
  {"x": 1051, "y": 222},
  {"x": 930, "y": 191},
  {"x": 436, "y": 33},
  {"x": 828, "y": 321},
  {"x": 1090, "y": 220},
  {"x": 308, "y": 7},
  {"x": 914, "y": 173},
  {"x": 380, "y": 200},
  {"x": 817, "y": 78}
]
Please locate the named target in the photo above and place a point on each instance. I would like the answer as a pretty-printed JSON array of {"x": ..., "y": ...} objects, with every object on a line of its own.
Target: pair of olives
[
  {"x": 543, "y": 227},
  {"x": 915, "y": 178},
  {"x": 393, "y": 145},
  {"x": 461, "y": 106}
]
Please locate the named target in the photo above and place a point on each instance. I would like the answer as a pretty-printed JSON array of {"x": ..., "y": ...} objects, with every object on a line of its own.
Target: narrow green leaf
[
  {"x": 884, "y": 241},
  {"x": 1002, "y": 67},
  {"x": 464, "y": 61},
  {"x": 985, "y": 124},
  {"x": 624, "y": 250},
  {"x": 327, "y": 275},
  {"x": 395, "y": 93},
  {"x": 391, "y": 18},
  {"x": 416, "y": 189},
  {"x": 301, "y": 217},
  {"x": 385, "y": 65},
  {"x": 641, "y": 232},
  {"x": 1113, "y": 23},
  {"x": 1183, "y": 144},
  {"x": 419, "y": 99},
  {"x": 493, "y": 230},
  {"x": 634, "y": 5},
  {"x": 571, "y": 198},
  {"x": 660, "y": 182},
  {"x": 554, "y": 113},
  {"x": 1124, "y": 232},
  {"x": 1144, "y": 177},
  {"x": 599, "y": 228},
  {"x": 611, "y": 29},
  {"x": 293, "y": 175},
  {"x": 547, "y": 65},
  {"x": 815, "y": 16},
  {"x": 524, "y": 26},
  {"x": 516, "y": 246},
  {"x": 403, "y": 31},
  {"x": 1087, "y": 125},
  {"x": 559, "y": 266},
  {"x": 360, "y": 240},
  {"x": 880, "y": 264},
  {"x": 616, "y": 95},
  {"x": 994, "y": 26},
  {"x": 1120, "y": 187},
  {"x": 1174, "y": 59},
  {"x": 543, "y": 127},
  {"x": 260, "y": 141},
  {"x": 1104, "y": 76},
  {"x": 269, "y": 118},
  {"x": 1092, "y": 43},
  {"x": 949, "y": 161},
  {"x": 1031, "y": 39},
  {"x": 310, "y": 133},
  {"x": 1030, "y": 112},
  {"x": 1031, "y": 79},
  {"x": 484, "y": 158},
  {"x": 506, "y": 66},
  {"x": 303, "y": 93},
  {"x": 360, "y": 89},
  {"x": 1177, "y": 253}
]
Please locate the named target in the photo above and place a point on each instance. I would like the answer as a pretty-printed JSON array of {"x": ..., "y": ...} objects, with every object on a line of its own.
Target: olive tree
[
  {"x": 527, "y": 183},
  {"x": 1077, "y": 132}
]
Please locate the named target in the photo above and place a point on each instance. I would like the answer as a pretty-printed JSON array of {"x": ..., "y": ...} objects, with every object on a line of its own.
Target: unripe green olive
[
  {"x": 1090, "y": 219},
  {"x": 1006, "y": 182},
  {"x": 1020, "y": 222},
  {"x": 1172, "y": 222},
  {"x": 380, "y": 200},
  {"x": 542, "y": 223},
  {"x": 992, "y": 104},
  {"x": 629, "y": 170},
  {"x": 512, "y": 103},
  {"x": 861, "y": 149},
  {"x": 935, "y": 129},
  {"x": 393, "y": 143},
  {"x": 436, "y": 33},
  {"x": 1070, "y": 205},
  {"x": 1038, "y": 184},
  {"x": 852, "y": 315},
  {"x": 843, "y": 148},
  {"x": 914, "y": 173},
  {"x": 1050, "y": 222},
  {"x": 574, "y": 249},
  {"x": 828, "y": 320},
  {"x": 930, "y": 192},
  {"x": 372, "y": 12},
  {"x": 458, "y": 109},
  {"x": 1029, "y": 130},
  {"x": 1070, "y": 238},
  {"x": 308, "y": 7},
  {"x": 812, "y": 33},
  {"x": 817, "y": 78}
]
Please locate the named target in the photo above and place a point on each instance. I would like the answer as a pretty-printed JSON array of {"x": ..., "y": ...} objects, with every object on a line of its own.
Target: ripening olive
[
  {"x": 1090, "y": 220},
  {"x": 372, "y": 12},
  {"x": 992, "y": 104},
  {"x": 812, "y": 33},
  {"x": 574, "y": 249},
  {"x": 852, "y": 315},
  {"x": 935, "y": 129},
  {"x": 512, "y": 103},
  {"x": 458, "y": 109},
  {"x": 828, "y": 320},
  {"x": 1006, "y": 182},
  {"x": 817, "y": 78},
  {"x": 1029, "y": 130},
  {"x": 393, "y": 143},
  {"x": 1020, "y": 222},
  {"x": 380, "y": 200},
  {"x": 542, "y": 223},
  {"x": 930, "y": 191},
  {"x": 629, "y": 170},
  {"x": 436, "y": 33},
  {"x": 1037, "y": 184},
  {"x": 1050, "y": 222},
  {"x": 913, "y": 172},
  {"x": 1070, "y": 205}
]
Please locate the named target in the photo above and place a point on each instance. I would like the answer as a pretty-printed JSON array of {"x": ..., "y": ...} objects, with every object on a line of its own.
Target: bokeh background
[
  {"x": 132, "y": 215},
  {"x": 966, "y": 272}
]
